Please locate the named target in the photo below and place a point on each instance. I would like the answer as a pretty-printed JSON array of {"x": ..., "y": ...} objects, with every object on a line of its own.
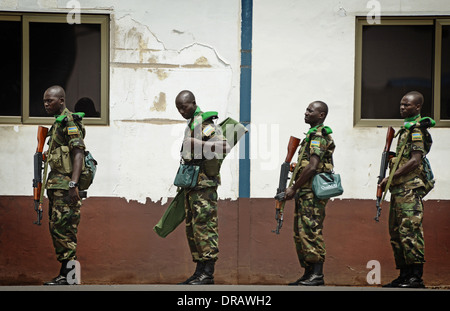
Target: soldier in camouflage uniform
[
  {"x": 409, "y": 185},
  {"x": 202, "y": 145},
  {"x": 317, "y": 157},
  {"x": 65, "y": 159}
]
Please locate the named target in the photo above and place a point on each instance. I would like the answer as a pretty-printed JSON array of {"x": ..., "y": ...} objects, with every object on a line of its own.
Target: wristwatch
[{"x": 73, "y": 184}]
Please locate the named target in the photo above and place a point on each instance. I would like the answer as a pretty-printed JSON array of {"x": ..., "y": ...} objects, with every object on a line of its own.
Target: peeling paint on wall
[
  {"x": 162, "y": 74},
  {"x": 159, "y": 104},
  {"x": 135, "y": 43},
  {"x": 148, "y": 76},
  {"x": 145, "y": 77},
  {"x": 201, "y": 62}
]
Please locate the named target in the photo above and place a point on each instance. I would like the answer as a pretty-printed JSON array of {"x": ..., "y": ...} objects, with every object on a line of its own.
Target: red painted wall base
[{"x": 117, "y": 245}]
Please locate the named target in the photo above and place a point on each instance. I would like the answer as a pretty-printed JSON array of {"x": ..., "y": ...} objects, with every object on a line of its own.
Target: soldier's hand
[
  {"x": 74, "y": 195},
  {"x": 289, "y": 193},
  {"x": 383, "y": 183}
]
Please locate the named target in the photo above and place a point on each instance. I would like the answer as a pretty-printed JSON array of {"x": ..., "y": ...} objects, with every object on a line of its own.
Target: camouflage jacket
[
  {"x": 68, "y": 134},
  {"x": 320, "y": 143},
  {"x": 415, "y": 140},
  {"x": 205, "y": 130}
]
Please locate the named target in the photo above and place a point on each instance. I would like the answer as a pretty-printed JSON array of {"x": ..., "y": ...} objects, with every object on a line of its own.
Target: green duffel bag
[
  {"x": 175, "y": 213},
  {"x": 173, "y": 216}
]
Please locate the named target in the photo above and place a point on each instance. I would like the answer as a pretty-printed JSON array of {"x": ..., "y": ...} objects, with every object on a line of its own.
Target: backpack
[
  {"x": 90, "y": 164},
  {"x": 427, "y": 176},
  {"x": 88, "y": 172}
]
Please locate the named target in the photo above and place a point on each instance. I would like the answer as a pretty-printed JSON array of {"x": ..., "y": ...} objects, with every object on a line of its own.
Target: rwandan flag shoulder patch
[
  {"x": 208, "y": 130},
  {"x": 416, "y": 136},
  {"x": 72, "y": 130},
  {"x": 314, "y": 143}
]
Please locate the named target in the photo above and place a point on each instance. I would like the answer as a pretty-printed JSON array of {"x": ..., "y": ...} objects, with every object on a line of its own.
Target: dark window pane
[
  {"x": 395, "y": 60},
  {"x": 66, "y": 55},
  {"x": 11, "y": 68},
  {"x": 445, "y": 73}
]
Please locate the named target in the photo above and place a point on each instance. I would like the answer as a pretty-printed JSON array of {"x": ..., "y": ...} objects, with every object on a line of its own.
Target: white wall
[
  {"x": 158, "y": 48},
  {"x": 302, "y": 51},
  {"x": 305, "y": 51}
]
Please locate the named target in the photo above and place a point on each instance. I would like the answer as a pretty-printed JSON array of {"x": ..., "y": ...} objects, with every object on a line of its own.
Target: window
[
  {"x": 44, "y": 50},
  {"x": 11, "y": 66},
  {"x": 443, "y": 32},
  {"x": 398, "y": 56}
]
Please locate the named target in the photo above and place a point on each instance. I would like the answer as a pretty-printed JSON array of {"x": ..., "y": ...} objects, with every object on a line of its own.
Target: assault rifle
[
  {"x": 385, "y": 156},
  {"x": 284, "y": 176},
  {"x": 37, "y": 180}
]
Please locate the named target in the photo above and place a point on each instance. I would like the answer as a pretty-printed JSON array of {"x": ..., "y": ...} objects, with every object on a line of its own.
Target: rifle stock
[
  {"x": 37, "y": 180},
  {"x": 383, "y": 167},
  {"x": 284, "y": 176}
]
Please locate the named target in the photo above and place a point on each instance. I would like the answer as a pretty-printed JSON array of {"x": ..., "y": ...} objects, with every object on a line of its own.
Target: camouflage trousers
[
  {"x": 64, "y": 218},
  {"x": 201, "y": 223},
  {"x": 308, "y": 224},
  {"x": 405, "y": 228}
]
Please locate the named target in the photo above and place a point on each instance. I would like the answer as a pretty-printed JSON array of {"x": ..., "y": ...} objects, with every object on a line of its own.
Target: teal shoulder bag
[
  {"x": 327, "y": 185},
  {"x": 187, "y": 175}
]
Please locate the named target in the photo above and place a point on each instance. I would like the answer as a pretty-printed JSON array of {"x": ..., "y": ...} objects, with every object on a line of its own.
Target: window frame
[
  {"x": 437, "y": 71},
  {"x": 26, "y": 18},
  {"x": 11, "y": 119},
  {"x": 435, "y": 21}
]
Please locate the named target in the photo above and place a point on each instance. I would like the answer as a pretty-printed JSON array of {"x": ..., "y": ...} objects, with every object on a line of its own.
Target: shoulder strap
[
  {"x": 399, "y": 157},
  {"x": 44, "y": 181},
  {"x": 297, "y": 166},
  {"x": 203, "y": 117}
]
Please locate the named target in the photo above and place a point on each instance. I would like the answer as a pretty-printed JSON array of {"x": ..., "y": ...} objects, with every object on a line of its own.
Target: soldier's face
[
  {"x": 408, "y": 107},
  {"x": 186, "y": 109},
  {"x": 52, "y": 103},
  {"x": 313, "y": 115}
]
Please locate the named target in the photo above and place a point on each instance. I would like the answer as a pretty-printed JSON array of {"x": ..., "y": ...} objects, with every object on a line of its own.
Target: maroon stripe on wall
[{"x": 117, "y": 244}]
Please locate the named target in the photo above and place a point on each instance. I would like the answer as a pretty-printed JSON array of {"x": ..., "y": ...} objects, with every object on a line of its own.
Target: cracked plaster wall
[
  {"x": 159, "y": 47},
  {"x": 156, "y": 50}
]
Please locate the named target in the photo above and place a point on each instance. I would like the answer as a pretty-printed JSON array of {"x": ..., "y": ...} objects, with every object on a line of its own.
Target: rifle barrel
[
  {"x": 383, "y": 167},
  {"x": 37, "y": 180}
]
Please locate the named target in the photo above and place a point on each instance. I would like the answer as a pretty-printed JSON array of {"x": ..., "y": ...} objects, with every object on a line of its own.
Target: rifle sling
[
  {"x": 399, "y": 157},
  {"x": 297, "y": 167},
  {"x": 44, "y": 181},
  {"x": 68, "y": 118}
]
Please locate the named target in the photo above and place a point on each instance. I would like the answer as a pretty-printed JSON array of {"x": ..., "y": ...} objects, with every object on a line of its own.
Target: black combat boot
[
  {"x": 414, "y": 279},
  {"x": 61, "y": 279},
  {"x": 315, "y": 278},
  {"x": 308, "y": 271},
  {"x": 198, "y": 270},
  {"x": 404, "y": 272},
  {"x": 206, "y": 277}
]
